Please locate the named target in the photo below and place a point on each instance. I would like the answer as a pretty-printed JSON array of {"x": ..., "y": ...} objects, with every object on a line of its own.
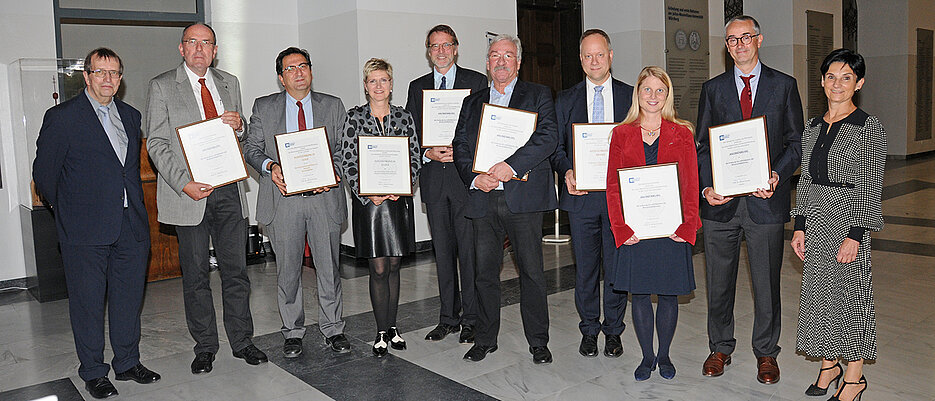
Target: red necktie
[
  {"x": 746, "y": 98},
  {"x": 301, "y": 116},
  {"x": 207, "y": 101}
]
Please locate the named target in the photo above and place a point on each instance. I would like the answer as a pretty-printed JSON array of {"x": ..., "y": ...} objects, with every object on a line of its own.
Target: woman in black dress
[{"x": 383, "y": 225}]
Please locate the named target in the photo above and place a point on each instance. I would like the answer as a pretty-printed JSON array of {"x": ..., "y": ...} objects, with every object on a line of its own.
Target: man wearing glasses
[
  {"x": 315, "y": 215},
  {"x": 445, "y": 195},
  {"x": 87, "y": 168},
  {"x": 192, "y": 92},
  {"x": 750, "y": 89}
]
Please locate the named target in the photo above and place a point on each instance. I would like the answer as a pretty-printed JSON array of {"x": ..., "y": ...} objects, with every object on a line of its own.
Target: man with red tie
[
  {"x": 202, "y": 214},
  {"x": 314, "y": 215},
  {"x": 749, "y": 89}
]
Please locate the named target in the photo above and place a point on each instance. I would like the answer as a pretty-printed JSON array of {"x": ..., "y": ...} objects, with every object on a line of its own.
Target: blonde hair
[
  {"x": 376, "y": 64},
  {"x": 668, "y": 108}
]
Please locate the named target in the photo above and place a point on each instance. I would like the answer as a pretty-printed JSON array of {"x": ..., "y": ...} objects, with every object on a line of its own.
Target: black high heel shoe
[
  {"x": 844, "y": 384},
  {"x": 396, "y": 341},
  {"x": 814, "y": 390},
  {"x": 379, "y": 344}
]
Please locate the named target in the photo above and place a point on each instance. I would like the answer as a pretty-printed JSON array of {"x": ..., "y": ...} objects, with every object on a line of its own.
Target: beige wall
[{"x": 921, "y": 14}]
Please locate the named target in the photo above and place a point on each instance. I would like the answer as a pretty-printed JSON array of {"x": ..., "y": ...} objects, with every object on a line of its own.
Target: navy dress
[{"x": 654, "y": 266}]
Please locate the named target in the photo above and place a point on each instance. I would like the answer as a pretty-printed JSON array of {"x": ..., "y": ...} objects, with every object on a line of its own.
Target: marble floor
[{"x": 37, "y": 356}]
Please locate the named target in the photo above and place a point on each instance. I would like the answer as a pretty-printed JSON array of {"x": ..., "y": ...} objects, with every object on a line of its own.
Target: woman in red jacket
[{"x": 653, "y": 134}]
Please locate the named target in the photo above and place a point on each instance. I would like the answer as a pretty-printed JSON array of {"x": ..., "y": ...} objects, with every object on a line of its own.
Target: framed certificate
[
  {"x": 383, "y": 165},
  {"x": 212, "y": 152},
  {"x": 650, "y": 196},
  {"x": 502, "y": 131},
  {"x": 305, "y": 158},
  {"x": 739, "y": 157},
  {"x": 591, "y": 145},
  {"x": 440, "y": 111}
]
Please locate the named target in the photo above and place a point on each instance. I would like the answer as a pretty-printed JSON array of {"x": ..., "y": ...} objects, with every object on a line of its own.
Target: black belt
[{"x": 834, "y": 184}]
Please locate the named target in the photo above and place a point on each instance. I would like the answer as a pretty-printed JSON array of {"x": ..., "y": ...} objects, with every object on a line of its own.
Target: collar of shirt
[
  {"x": 196, "y": 90},
  {"x": 753, "y": 81},
  {"x": 111, "y": 110},
  {"x": 449, "y": 77},
  {"x": 292, "y": 112},
  {"x": 502, "y": 99},
  {"x": 607, "y": 93}
]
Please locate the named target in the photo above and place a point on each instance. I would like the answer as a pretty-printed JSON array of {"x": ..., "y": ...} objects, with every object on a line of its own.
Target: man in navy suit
[
  {"x": 445, "y": 195},
  {"x": 88, "y": 169},
  {"x": 597, "y": 99},
  {"x": 499, "y": 205},
  {"x": 750, "y": 89}
]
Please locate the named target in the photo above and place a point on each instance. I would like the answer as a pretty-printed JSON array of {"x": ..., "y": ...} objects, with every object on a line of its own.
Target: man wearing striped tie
[
  {"x": 598, "y": 99},
  {"x": 192, "y": 92}
]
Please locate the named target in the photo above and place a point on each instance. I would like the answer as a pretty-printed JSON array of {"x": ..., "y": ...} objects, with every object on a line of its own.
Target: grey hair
[
  {"x": 511, "y": 38},
  {"x": 756, "y": 25}
]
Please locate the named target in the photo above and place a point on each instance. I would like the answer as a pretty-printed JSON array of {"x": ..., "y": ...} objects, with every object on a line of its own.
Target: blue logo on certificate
[
  {"x": 585, "y": 135},
  {"x": 371, "y": 146},
  {"x": 722, "y": 137},
  {"x": 493, "y": 116},
  {"x": 433, "y": 99},
  {"x": 634, "y": 179},
  {"x": 287, "y": 145}
]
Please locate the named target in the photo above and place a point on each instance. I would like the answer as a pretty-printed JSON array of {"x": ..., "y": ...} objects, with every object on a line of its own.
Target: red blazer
[{"x": 676, "y": 144}]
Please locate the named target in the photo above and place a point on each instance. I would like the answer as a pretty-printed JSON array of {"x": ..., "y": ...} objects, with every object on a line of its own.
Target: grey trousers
[{"x": 297, "y": 219}]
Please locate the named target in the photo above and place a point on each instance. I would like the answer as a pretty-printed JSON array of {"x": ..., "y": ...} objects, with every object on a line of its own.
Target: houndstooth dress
[{"x": 838, "y": 196}]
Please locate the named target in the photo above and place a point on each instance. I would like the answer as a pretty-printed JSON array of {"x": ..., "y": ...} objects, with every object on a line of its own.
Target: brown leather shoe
[
  {"x": 767, "y": 370},
  {"x": 714, "y": 365}
]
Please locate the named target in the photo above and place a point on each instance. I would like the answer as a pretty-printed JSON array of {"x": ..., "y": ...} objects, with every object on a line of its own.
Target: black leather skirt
[{"x": 385, "y": 230}]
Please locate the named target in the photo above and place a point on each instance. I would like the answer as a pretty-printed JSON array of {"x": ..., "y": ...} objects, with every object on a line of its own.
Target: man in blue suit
[
  {"x": 88, "y": 169},
  {"x": 598, "y": 99}
]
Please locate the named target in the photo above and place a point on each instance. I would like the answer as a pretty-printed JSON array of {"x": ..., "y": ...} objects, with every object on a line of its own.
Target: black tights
[
  {"x": 667, "y": 314},
  {"x": 384, "y": 290}
]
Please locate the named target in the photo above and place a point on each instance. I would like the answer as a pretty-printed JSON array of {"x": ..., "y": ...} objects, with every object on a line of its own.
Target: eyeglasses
[
  {"x": 193, "y": 42},
  {"x": 436, "y": 46},
  {"x": 382, "y": 81},
  {"x": 745, "y": 39},
  {"x": 99, "y": 73},
  {"x": 297, "y": 68},
  {"x": 497, "y": 56}
]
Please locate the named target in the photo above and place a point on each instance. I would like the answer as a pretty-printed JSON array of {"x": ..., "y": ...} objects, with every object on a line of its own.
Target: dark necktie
[
  {"x": 301, "y": 116},
  {"x": 746, "y": 98},
  {"x": 442, "y": 86},
  {"x": 206, "y": 101}
]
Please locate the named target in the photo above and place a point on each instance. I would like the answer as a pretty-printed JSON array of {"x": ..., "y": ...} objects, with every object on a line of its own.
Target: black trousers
[
  {"x": 117, "y": 273},
  {"x": 226, "y": 227},
  {"x": 453, "y": 240},
  {"x": 525, "y": 232},
  {"x": 722, "y": 257}
]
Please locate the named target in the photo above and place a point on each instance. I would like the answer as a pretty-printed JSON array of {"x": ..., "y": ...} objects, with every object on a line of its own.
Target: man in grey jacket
[
  {"x": 316, "y": 214},
  {"x": 192, "y": 92}
]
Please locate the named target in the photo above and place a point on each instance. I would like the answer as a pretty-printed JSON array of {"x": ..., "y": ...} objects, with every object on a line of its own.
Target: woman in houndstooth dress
[{"x": 837, "y": 206}]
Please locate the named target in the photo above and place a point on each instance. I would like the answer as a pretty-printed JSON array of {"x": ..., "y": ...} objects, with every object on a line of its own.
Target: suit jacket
[
  {"x": 537, "y": 194},
  {"x": 77, "y": 171},
  {"x": 676, "y": 144},
  {"x": 172, "y": 104},
  {"x": 267, "y": 121},
  {"x": 434, "y": 176},
  {"x": 777, "y": 98},
  {"x": 571, "y": 106}
]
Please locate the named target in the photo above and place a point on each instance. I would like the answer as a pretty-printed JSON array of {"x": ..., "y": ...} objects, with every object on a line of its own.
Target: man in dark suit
[
  {"x": 445, "y": 195},
  {"x": 597, "y": 99},
  {"x": 316, "y": 215},
  {"x": 499, "y": 205},
  {"x": 88, "y": 169},
  {"x": 750, "y": 89}
]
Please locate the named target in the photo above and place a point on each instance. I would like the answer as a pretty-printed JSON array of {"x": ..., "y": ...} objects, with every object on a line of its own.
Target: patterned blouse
[{"x": 359, "y": 121}]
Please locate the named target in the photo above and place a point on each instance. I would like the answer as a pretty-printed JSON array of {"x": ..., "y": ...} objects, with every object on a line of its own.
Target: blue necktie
[
  {"x": 598, "y": 113},
  {"x": 442, "y": 86}
]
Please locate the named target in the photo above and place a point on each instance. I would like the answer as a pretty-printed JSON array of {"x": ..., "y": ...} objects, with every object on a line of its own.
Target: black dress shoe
[
  {"x": 202, "y": 363},
  {"x": 100, "y": 387},
  {"x": 380, "y": 343},
  {"x": 477, "y": 353},
  {"x": 396, "y": 341},
  {"x": 292, "y": 348},
  {"x": 139, "y": 374},
  {"x": 252, "y": 355},
  {"x": 467, "y": 334},
  {"x": 441, "y": 331},
  {"x": 541, "y": 354},
  {"x": 588, "y": 346},
  {"x": 339, "y": 343},
  {"x": 612, "y": 346}
]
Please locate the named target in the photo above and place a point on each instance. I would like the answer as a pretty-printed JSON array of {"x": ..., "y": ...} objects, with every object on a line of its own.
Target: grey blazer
[
  {"x": 267, "y": 121},
  {"x": 172, "y": 104}
]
